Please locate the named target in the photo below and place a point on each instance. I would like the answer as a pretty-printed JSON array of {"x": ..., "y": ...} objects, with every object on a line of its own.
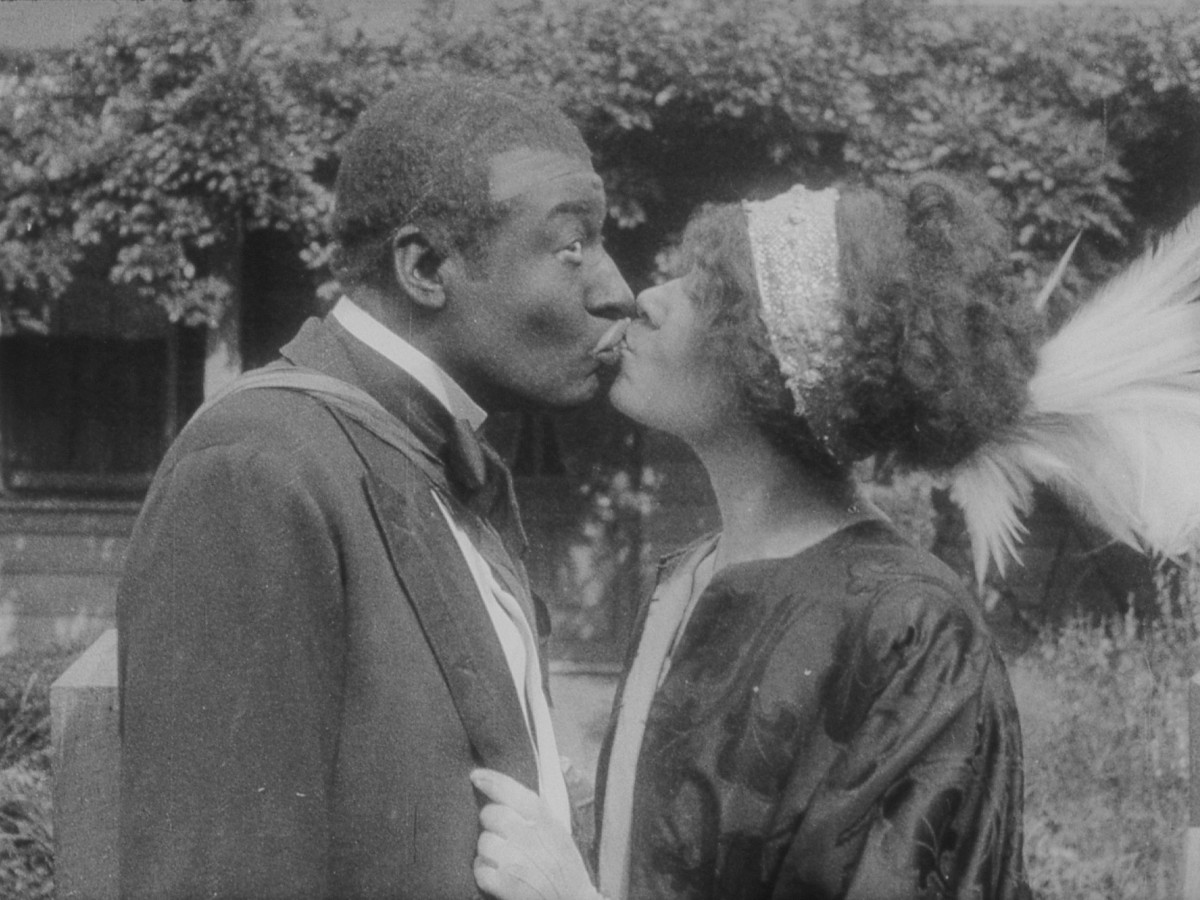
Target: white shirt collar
[{"x": 405, "y": 356}]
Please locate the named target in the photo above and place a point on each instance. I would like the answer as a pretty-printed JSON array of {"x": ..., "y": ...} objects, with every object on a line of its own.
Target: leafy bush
[
  {"x": 166, "y": 136},
  {"x": 1104, "y": 714},
  {"x": 150, "y": 151},
  {"x": 698, "y": 100}
]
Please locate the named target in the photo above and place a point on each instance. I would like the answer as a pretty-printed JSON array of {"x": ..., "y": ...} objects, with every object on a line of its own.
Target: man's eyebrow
[{"x": 583, "y": 208}]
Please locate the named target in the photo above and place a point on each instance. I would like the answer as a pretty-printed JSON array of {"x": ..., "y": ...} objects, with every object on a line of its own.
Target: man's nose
[{"x": 609, "y": 297}]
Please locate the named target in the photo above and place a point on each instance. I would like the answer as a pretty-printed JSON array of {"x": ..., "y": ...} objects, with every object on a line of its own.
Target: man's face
[{"x": 523, "y": 324}]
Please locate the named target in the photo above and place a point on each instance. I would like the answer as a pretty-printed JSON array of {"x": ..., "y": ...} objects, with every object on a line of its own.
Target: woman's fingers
[
  {"x": 523, "y": 852},
  {"x": 511, "y": 885},
  {"x": 505, "y": 790},
  {"x": 487, "y": 876},
  {"x": 502, "y": 870},
  {"x": 491, "y": 849},
  {"x": 503, "y": 820}
]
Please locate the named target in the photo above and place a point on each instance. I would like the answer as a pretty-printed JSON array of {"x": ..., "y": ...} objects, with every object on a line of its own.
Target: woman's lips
[{"x": 607, "y": 349}]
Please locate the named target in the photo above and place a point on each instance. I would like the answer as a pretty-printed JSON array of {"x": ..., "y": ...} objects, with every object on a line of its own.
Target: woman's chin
[
  {"x": 623, "y": 396},
  {"x": 626, "y": 399}
]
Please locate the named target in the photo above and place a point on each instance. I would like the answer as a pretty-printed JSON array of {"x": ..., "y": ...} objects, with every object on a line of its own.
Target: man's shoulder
[
  {"x": 280, "y": 435},
  {"x": 272, "y": 429},
  {"x": 266, "y": 419}
]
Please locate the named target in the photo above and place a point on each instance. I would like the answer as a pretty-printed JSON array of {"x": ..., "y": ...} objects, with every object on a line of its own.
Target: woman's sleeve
[{"x": 924, "y": 796}]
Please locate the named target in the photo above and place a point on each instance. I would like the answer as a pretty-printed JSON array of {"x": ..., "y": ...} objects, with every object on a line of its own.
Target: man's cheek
[{"x": 557, "y": 322}]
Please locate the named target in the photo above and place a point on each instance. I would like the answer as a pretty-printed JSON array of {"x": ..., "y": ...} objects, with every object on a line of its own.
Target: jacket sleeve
[
  {"x": 924, "y": 797},
  {"x": 230, "y": 631}
]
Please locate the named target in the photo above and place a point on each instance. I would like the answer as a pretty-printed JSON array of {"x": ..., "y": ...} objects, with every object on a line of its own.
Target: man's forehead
[{"x": 516, "y": 172}]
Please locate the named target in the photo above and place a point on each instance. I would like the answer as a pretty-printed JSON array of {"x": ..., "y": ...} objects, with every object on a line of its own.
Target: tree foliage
[
  {"x": 167, "y": 136},
  {"x": 710, "y": 100},
  {"x": 156, "y": 145}
]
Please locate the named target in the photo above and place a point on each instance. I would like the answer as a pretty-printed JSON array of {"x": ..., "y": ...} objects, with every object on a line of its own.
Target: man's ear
[{"x": 417, "y": 265}]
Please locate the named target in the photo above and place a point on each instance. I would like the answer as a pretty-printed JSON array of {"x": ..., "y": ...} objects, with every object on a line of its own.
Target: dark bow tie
[
  {"x": 466, "y": 460},
  {"x": 483, "y": 482}
]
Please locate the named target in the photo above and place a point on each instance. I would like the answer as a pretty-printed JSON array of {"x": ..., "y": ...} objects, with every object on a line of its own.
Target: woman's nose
[{"x": 646, "y": 299}]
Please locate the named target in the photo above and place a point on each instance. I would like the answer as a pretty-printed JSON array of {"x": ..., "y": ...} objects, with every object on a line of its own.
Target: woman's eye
[{"x": 574, "y": 251}]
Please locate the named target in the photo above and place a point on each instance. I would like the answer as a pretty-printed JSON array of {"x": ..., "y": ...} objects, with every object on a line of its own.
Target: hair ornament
[
  {"x": 1112, "y": 421},
  {"x": 793, "y": 240}
]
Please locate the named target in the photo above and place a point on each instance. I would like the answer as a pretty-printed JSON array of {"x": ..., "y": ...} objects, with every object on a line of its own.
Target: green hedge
[
  {"x": 172, "y": 133},
  {"x": 1071, "y": 120}
]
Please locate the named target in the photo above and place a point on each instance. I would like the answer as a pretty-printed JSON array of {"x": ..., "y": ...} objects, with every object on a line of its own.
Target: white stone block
[{"x": 83, "y": 721}]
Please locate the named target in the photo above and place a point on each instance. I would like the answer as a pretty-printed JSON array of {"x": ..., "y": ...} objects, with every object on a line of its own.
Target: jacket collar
[
  {"x": 326, "y": 345},
  {"x": 391, "y": 346}
]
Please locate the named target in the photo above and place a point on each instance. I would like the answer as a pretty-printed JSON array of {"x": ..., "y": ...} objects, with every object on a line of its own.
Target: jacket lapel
[
  {"x": 444, "y": 595},
  {"x": 423, "y": 552}
]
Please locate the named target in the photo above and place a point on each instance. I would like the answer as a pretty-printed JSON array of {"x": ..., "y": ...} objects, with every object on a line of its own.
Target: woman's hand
[{"x": 524, "y": 853}]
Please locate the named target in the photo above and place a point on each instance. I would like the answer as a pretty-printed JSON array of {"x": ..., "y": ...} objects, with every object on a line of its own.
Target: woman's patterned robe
[{"x": 837, "y": 724}]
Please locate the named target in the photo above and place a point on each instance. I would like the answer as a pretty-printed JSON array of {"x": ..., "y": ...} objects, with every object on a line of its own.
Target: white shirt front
[{"x": 512, "y": 628}]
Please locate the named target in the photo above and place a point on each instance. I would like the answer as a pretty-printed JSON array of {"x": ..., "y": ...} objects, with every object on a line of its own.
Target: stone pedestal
[{"x": 83, "y": 721}]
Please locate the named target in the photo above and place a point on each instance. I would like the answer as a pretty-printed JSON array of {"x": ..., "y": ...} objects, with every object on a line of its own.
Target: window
[
  {"x": 90, "y": 407},
  {"x": 93, "y": 414}
]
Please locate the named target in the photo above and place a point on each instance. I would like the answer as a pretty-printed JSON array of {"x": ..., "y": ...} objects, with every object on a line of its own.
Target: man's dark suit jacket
[{"x": 307, "y": 673}]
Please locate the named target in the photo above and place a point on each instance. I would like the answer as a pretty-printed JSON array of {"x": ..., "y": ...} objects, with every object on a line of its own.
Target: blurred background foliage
[
  {"x": 154, "y": 149},
  {"x": 165, "y": 136}
]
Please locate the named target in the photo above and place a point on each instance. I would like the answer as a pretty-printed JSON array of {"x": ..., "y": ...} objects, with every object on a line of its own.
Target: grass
[
  {"x": 26, "y": 833},
  {"x": 26, "y": 829},
  {"x": 1104, "y": 714}
]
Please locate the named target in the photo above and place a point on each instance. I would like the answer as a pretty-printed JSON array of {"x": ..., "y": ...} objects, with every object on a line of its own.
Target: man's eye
[{"x": 574, "y": 250}]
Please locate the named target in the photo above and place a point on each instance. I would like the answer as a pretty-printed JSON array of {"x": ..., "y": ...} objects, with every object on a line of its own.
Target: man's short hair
[{"x": 419, "y": 156}]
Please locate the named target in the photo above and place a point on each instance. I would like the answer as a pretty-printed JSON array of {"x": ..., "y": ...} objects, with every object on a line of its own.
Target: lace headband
[{"x": 793, "y": 239}]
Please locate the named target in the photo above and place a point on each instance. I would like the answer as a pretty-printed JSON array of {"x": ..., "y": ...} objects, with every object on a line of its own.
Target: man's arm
[{"x": 229, "y": 619}]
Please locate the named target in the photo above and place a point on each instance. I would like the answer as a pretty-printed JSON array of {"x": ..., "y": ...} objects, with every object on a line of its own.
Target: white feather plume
[{"x": 1113, "y": 418}]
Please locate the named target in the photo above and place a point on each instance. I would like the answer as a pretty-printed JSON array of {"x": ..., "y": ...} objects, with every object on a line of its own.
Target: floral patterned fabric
[{"x": 837, "y": 724}]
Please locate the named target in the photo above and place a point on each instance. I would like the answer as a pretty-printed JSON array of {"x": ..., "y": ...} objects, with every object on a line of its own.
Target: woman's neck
[{"x": 770, "y": 506}]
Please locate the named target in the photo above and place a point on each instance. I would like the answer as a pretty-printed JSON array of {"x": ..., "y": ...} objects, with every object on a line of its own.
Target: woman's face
[{"x": 669, "y": 378}]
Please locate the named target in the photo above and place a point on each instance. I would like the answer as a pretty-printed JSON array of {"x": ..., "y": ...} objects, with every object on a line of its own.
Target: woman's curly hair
[{"x": 938, "y": 344}]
